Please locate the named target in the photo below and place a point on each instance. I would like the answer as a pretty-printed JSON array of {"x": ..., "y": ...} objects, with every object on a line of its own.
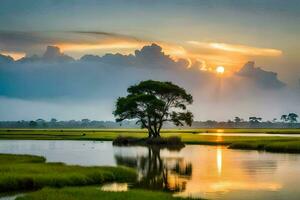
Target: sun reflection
[
  {"x": 227, "y": 186},
  {"x": 219, "y": 160},
  {"x": 219, "y": 137}
]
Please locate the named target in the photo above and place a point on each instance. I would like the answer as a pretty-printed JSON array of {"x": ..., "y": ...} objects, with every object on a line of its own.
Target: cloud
[
  {"x": 91, "y": 79},
  {"x": 52, "y": 54},
  {"x": 70, "y": 41},
  {"x": 262, "y": 78},
  {"x": 13, "y": 54},
  {"x": 236, "y": 48},
  {"x": 205, "y": 55},
  {"x": 231, "y": 56},
  {"x": 5, "y": 59},
  {"x": 149, "y": 56},
  {"x": 109, "y": 34}
]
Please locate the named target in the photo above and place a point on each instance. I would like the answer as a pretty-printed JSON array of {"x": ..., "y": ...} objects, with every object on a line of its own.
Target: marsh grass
[
  {"x": 92, "y": 192},
  {"x": 292, "y": 146},
  {"x": 23, "y": 172},
  {"x": 271, "y": 143}
]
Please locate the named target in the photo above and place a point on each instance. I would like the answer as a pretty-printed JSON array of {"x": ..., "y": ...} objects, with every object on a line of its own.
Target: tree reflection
[{"x": 157, "y": 173}]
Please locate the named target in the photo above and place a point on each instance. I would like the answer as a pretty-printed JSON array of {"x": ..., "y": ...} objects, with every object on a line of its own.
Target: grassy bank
[
  {"x": 292, "y": 146},
  {"x": 190, "y": 136},
  {"x": 23, "y": 172},
  {"x": 88, "y": 193}
]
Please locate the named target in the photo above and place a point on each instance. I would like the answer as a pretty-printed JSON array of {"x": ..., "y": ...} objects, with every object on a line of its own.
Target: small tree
[
  {"x": 237, "y": 120},
  {"x": 33, "y": 124},
  {"x": 292, "y": 117},
  {"x": 152, "y": 103},
  {"x": 255, "y": 120},
  {"x": 284, "y": 118}
]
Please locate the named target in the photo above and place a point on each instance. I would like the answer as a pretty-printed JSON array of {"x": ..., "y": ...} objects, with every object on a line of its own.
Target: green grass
[
  {"x": 189, "y": 136},
  {"x": 23, "y": 172},
  {"x": 292, "y": 146},
  {"x": 88, "y": 193}
]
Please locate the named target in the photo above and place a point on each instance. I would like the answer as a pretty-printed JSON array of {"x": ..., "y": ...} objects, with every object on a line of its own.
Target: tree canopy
[{"x": 154, "y": 102}]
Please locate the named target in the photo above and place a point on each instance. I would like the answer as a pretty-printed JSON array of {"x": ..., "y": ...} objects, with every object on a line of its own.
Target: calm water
[{"x": 201, "y": 171}]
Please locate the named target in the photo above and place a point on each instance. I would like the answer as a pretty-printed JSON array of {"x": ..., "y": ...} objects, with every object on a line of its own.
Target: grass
[
  {"x": 188, "y": 136},
  {"x": 88, "y": 193},
  {"x": 159, "y": 141},
  {"x": 24, "y": 172},
  {"x": 292, "y": 146}
]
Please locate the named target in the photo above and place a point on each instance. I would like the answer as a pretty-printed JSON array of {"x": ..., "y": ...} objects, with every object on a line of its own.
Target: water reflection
[
  {"x": 219, "y": 160},
  {"x": 157, "y": 172},
  {"x": 207, "y": 172},
  {"x": 211, "y": 172},
  {"x": 115, "y": 187}
]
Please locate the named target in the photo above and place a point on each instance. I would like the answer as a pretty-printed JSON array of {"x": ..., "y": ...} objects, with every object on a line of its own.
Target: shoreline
[{"x": 272, "y": 143}]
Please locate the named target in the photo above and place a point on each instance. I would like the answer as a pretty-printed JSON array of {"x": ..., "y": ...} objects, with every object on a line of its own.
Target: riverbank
[
  {"x": 94, "y": 192},
  {"x": 25, "y": 172},
  {"x": 272, "y": 143}
]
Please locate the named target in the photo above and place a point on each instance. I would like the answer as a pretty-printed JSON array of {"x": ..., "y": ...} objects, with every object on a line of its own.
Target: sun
[{"x": 220, "y": 69}]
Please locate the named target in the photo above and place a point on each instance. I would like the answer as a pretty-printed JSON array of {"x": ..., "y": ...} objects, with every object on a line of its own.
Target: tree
[
  {"x": 292, "y": 117},
  {"x": 33, "y": 124},
  {"x": 255, "y": 120},
  {"x": 152, "y": 103},
  {"x": 53, "y": 120},
  {"x": 284, "y": 118},
  {"x": 237, "y": 120}
]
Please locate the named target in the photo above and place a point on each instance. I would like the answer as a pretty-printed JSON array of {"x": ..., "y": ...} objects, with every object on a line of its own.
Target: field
[{"x": 189, "y": 136}]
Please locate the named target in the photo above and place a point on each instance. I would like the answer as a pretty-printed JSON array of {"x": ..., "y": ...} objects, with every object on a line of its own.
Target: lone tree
[{"x": 152, "y": 103}]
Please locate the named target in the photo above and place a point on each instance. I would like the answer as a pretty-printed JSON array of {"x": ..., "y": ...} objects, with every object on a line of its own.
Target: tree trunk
[{"x": 150, "y": 133}]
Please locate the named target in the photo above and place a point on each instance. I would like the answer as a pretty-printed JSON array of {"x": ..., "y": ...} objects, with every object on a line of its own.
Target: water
[
  {"x": 212, "y": 172},
  {"x": 251, "y": 134}
]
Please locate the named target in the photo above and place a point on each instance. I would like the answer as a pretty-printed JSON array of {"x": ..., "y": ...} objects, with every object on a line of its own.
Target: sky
[{"x": 101, "y": 47}]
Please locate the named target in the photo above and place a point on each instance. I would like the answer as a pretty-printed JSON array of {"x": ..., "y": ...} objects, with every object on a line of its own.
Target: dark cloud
[
  {"x": 108, "y": 34},
  {"x": 262, "y": 78},
  {"x": 150, "y": 56},
  {"x": 51, "y": 55},
  {"x": 5, "y": 59},
  {"x": 55, "y": 74},
  {"x": 22, "y": 41},
  {"x": 32, "y": 42}
]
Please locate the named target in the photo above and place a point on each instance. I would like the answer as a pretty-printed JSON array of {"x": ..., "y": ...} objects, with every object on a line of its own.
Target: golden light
[
  {"x": 219, "y": 160},
  {"x": 220, "y": 69},
  {"x": 15, "y": 55}
]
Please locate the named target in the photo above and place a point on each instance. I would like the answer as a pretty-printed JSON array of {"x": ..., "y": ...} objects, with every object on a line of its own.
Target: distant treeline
[{"x": 286, "y": 121}]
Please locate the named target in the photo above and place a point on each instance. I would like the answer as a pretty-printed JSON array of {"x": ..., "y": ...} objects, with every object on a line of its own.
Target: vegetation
[
  {"x": 168, "y": 142},
  {"x": 188, "y": 136},
  {"x": 153, "y": 103},
  {"x": 291, "y": 146},
  {"x": 237, "y": 122},
  {"x": 24, "y": 172},
  {"x": 93, "y": 192},
  {"x": 291, "y": 117}
]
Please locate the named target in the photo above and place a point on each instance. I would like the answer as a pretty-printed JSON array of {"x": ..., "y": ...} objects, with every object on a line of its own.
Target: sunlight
[
  {"x": 219, "y": 160},
  {"x": 15, "y": 55},
  {"x": 220, "y": 70}
]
